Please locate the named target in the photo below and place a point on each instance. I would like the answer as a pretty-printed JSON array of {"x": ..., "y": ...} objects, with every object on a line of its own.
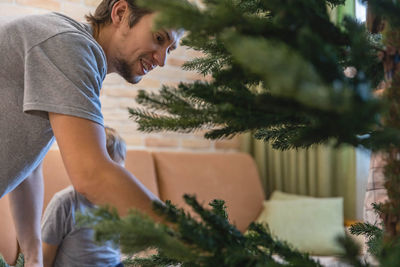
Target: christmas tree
[
  {"x": 213, "y": 241},
  {"x": 275, "y": 68}
]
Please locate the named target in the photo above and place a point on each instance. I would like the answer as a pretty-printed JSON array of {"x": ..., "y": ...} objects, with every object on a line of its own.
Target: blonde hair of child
[{"x": 116, "y": 146}]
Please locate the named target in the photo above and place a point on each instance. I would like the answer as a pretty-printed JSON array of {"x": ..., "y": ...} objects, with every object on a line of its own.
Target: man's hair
[
  {"x": 102, "y": 14},
  {"x": 116, "y": 146}
]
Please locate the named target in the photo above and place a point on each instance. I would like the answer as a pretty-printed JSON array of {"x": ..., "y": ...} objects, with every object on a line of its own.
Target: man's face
[{"x": 140, "y": 49}]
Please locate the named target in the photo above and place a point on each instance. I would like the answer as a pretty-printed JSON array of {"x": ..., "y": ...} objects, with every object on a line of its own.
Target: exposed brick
[
  {"x": 196, "y": 143},
  {"x": 113, "y": 79},
  {"x": 120, "y": 91},
  {"x": 180, "y": 51},
  {"x": 167, "y": 73},
  {"x": 11, "y": 10},
  {"x": 93, "y": 3},
  {"x": 171, "y": 83},
  {"x": 46, "y": 4},
  {"x": 126, "y": 126},
  {"x": 191, "y": 53},
  {"x": 233, "y": 143},
  {"x": 117, "y": 102},
  {"x": 115, "y": 114},
  {"x": 194, "y": 76},
  {"x": 200, "y": 133},
  {"x": 161, "y": 142},
  {"x": 132, "y": 140},
  {"x": 171, "y": 135},
  {"x": 172, "y": 61},
  {"x": 75, "y": 10},
  {"x": 148, "y": 82}
]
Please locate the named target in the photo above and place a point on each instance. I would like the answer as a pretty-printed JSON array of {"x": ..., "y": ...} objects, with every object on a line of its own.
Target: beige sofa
[{"x": 229, "y": 176}]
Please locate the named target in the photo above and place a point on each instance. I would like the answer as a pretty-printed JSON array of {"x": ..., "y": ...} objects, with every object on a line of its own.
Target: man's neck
[{"x": 103, "y": 35}]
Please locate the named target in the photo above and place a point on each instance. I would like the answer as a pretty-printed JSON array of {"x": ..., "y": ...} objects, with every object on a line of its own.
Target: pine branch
[
  {"x": 205, "y": 65},
  {"x": 292, "y": 53},
  {"x": 352, "y": 252},
  {"x": 260, "y": 236},
  {"x": 19, "y": 263},
  {"x": 208, "y": 240},
  {"x": 373, "y": 234},
  {"x": 233, "y": 110},
  {"x": 363, "y": 55},
  {"x": 301, "y": 85},
  {"x": 135, "y": 232},
  {"x": 152, "y": 261},
  {"x": 390, "y": 254}
]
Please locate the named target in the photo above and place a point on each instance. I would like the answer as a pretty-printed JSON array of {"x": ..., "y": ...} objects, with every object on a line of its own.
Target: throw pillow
[
  {"x": 310, "y": 224},
  {"x": 279, "y": 195}
]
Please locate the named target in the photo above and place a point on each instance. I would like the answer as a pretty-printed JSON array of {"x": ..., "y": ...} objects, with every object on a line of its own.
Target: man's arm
[
  {"x": 49, "y": 254},
  {"x": 26, "y": 203},
  {"x": 82, "y": 145}
]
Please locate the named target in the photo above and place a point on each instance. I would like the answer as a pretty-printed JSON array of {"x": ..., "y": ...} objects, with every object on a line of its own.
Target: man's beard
[{"x": 125, "y": 70}]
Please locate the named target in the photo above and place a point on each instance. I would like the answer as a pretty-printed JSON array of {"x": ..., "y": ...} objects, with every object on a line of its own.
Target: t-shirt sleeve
[
  {"x": 55, "y": 223},
  {"x": 64, "y": 74}
]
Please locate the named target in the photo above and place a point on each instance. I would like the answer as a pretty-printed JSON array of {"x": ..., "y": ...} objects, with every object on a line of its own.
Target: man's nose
[{"x": 161, "y": 56}]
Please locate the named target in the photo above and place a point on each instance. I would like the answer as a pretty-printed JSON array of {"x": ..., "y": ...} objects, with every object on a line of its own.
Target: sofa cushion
[
  {"x": 54, "y": 175},
  {"x": 309, "y": 224},
  {"x": 232, "y": 177},
  {"x": 140, "y": 163}
]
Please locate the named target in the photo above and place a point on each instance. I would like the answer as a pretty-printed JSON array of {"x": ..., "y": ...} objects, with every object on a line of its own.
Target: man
[
  {"x": 65, "y": 243},
  {"x": 52, "y": 71}
]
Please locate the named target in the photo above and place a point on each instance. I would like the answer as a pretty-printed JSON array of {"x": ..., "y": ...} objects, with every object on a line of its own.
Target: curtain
[{"x": 320, "y": 171}]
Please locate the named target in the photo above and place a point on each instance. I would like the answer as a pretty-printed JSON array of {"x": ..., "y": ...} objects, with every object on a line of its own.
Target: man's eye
[{"x": 160, "y": 39}]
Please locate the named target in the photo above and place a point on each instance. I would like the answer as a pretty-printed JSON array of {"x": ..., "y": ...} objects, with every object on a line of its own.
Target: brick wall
[{"x": 117, "y": 95}]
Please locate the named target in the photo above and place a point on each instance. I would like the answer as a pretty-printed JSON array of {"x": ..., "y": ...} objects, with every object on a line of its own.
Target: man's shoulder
[
  {"x": 35, "y": 29},
  {"x": 53, "y": 22},
  {"x": 57, "y": 23}
]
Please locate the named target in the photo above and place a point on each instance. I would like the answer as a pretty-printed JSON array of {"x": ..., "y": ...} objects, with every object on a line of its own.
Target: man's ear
[{"x": 119, "y": 12}]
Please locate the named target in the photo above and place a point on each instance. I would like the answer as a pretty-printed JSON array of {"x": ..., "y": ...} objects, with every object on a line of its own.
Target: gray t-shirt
[
  {"x": 76, "y": 245},
  {"x": 49, "y": 63}
]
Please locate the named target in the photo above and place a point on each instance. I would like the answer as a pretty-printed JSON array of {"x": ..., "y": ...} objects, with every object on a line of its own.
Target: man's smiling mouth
[{"x": 146, "y": 66}]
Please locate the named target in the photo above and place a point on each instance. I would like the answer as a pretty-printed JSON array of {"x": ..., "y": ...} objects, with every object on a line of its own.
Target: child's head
[{"x": 116, "y": 146}]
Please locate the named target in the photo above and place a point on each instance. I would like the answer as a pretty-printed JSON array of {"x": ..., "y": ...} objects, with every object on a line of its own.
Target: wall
[{"x": 117, "y": 95}]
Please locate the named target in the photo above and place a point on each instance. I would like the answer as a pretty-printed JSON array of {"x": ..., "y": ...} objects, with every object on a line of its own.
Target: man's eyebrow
[{"x": 166, "y": 33}]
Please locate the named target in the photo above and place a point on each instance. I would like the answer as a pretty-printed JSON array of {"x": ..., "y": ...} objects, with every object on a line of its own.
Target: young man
[
  {"x": 66, "y": 244},
  {"x": 51, "y": 74}
]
